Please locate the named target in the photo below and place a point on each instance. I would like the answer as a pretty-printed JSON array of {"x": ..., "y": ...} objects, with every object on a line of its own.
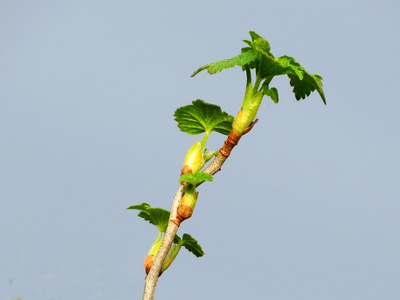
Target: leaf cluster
[{"x": 257, "y": 56}]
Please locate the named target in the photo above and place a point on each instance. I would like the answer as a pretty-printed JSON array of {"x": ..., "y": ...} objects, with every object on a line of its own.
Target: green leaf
[
  {"x": 254, "y": 36},
  {"x": 195, "y": 178},
  {"x": 177, "y": 239},
  {"x": 309, "y": 83},
  {"x": 262, "y": 46},
  {"x": 155, "y": 215},
  {"x": 302, "y": 82},
  {"x": 202, "y": 117},
  {"x": 239, "y": 60},
  {"x": 272, "y": 93},
  {"x": 191, "y": 245},
  {"x": 258, "y": 56}
]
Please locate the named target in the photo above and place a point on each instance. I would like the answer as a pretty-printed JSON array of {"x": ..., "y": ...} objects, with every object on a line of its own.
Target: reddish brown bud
[
  {"x": 188, "y": 202},
  {"x": 148, "y": 262},
  {"x": 186, "y": 169},
  {"x": 184, "y": 212}
]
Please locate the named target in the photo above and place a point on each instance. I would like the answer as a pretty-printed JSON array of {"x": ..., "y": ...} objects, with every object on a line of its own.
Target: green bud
[
  {"x": 252, "y": 106},
  {"x": 241, "y": 122},
  {"x": 194, "y": 159},
  {"x": 248, "y": 112},
  {"x": 172, "y": 254},
  {"x": 188, "y": 202},
  {"x": 151, "y": 255},
  {"x": 208, "y": 155}
]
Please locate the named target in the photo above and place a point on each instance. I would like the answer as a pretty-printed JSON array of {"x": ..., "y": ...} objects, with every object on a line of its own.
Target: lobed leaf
[
  {"x": 271, "y": 66},
  {"x": 303, "y": 87},
  {"x": 272, "y": 93},
  {"x": 302, "y": 82},
  {"x": 202, "y": 117},
  {"x": 262, "y": 46},
  {"x": 239, "y": 60},
  {"x": 192, "y": 245},
  {"x": 154, "y": 215}
]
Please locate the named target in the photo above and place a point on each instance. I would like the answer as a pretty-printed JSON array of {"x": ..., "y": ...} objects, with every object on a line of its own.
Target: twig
[{"x": 152, "y": 277}]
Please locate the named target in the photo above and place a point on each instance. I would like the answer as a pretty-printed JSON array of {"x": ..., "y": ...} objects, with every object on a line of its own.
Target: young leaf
[
  {"x": 302, "y": 82},
  {"x": 262, "y": 46},
  {"x": 310, "y": 83},
  {"x": 240, "y": 60},
  {"x": 195, "y": 178},
  {"x": 272, "y": 93},
  {"x": 254, "y": 36},
  {"x": 191, "y": 245},
  {"x": 143, "y": 206},
  {"x": 202, "y": 117},
  {"x": 155, "y": 215}
]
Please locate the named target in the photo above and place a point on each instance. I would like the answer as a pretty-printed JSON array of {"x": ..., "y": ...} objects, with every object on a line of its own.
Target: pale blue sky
[{"x": 307, "y": 207}]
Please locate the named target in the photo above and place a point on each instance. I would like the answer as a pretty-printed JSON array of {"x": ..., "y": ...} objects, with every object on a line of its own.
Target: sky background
[{"x": 307, "y": 206}]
